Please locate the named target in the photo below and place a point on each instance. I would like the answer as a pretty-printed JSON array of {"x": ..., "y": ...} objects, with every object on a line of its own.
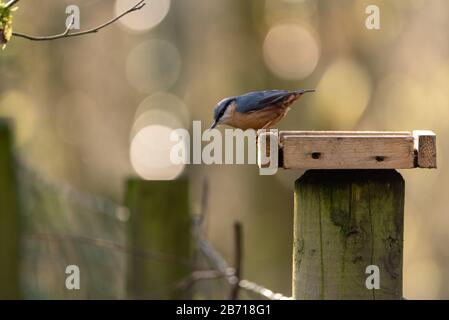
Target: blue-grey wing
[{"x": 259, "y": 100}]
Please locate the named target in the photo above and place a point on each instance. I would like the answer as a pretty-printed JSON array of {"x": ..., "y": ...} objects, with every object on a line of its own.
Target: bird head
[{"x": 221, "y": 111}]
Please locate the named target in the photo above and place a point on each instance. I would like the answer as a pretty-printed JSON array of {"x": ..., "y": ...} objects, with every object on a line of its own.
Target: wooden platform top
[{"x": 354, "y": 149}]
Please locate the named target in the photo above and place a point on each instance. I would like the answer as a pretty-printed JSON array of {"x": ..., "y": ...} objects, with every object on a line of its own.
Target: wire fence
[{"x": 63, "y": 226}]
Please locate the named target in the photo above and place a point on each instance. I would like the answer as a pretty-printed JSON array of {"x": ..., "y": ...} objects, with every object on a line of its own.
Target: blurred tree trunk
[
  {"x": 9, "y": 218},
  {"x": 159, "y": 238}
]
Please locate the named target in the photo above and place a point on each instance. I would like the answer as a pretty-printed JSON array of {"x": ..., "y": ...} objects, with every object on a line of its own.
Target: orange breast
[{"x": 256, "y": 119}]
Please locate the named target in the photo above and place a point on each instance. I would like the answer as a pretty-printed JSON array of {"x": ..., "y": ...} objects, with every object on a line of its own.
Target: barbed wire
[
  {"x": 111, "y": 245},
  {"x": 228, "y": 272},
  {"x": 88, "y": 201},
  {"x": 220, "y": 267},
  {"x": 218, "y": 261}
]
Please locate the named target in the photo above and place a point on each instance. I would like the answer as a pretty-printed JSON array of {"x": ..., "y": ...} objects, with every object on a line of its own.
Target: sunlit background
[{"x": 91, "y": 111}]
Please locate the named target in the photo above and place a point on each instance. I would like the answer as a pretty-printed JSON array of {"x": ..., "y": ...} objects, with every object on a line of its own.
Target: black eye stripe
[{"x": 223, "y": 110}]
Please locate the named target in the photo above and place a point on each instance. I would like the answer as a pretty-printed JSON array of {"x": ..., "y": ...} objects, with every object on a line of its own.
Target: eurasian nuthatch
[{"x": 255, "y": 110}]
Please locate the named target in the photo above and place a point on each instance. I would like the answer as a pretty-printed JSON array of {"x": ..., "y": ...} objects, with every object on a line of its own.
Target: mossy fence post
[
  {"x": 159, "y": 238},
  {"x": 349, "y": 209},
  {"x": 344, "y": 222},
  {"x": 9, "y": 217}
]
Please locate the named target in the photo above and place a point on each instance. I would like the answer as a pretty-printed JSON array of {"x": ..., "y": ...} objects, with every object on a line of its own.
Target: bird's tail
[
  {"x": 292, "y": 96},
  {"x": 295, "y": 95}
]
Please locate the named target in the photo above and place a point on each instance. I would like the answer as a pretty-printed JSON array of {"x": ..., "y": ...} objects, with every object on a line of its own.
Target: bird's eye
[
  {"x": 221, "y": 113},
  {"x": 223, "y": 110}
]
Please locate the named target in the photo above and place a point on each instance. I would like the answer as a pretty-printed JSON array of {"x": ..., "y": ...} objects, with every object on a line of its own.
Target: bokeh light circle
[
  {"x": 342, "y": 95},
  {"x": 148, "y": 17},
  {"x": 150, "y": 153},
  {"x": 155, "y": 117},
  {"x": 153, "y": 65},
  {"x": 403, "y": 100},
  {"x": 167, "y": 102},
  {"x": 290, "y": 51}
]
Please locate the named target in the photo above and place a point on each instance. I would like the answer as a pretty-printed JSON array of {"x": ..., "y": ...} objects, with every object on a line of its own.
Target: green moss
[
  {"x": 346, "y": 220},
  {"x": 342, "y": 219}
]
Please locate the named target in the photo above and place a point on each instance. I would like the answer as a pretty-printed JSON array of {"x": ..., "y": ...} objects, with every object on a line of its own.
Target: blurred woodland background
[{"x": 93, "y": 110}]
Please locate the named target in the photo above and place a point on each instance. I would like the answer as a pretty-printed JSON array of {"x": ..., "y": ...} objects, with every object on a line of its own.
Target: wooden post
[
  {"x": 9, "y": 217},
  {"x": 348, "y": 227},
  {"x": 345, "y": 221},
  {"x": 159, "y": 238}
]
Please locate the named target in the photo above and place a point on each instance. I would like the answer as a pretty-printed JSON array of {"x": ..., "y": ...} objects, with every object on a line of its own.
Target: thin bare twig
[
  {"x": 11, "y": 3},
  {"x": 238, "y": 240},
  {"x": 68, "y": 34},
  {"x": 58, "y": 36}
]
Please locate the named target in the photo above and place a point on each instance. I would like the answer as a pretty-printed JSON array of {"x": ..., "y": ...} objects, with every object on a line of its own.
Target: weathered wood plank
[
  {"x": 347, "y": 151},
  {"x": 425, "y": 145},
  {"x": 352, "y": 149},
  {"x": 9, "y": 218},
  {"x": 265, "y": 158},
  {"x": 346, "y": 133},
  {"x": 344, "y": 221}
]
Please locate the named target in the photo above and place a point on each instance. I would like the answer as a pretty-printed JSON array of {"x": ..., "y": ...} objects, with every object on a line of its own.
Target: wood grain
[
  {"x": 425, "y": 144},
  {"x": 356, "y": 149},
  {"x": 265, "y": 158},
  {"x": 344, "y": 221},
  {"x": 347, "y": 150}
]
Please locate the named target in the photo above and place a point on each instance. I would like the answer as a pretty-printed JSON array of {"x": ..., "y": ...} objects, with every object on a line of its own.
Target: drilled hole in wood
[
  {"x": 380, "y": 158},
  {"x": 316, "y": 155}
]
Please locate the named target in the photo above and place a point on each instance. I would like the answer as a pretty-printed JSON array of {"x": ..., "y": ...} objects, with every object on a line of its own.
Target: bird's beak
[
  {"x": 213, "y": 125},
  {"x": 307, "y": 90}
]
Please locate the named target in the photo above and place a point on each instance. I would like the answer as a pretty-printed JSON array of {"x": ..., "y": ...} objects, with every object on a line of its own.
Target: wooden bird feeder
[{"x": 349, "y": 209}]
